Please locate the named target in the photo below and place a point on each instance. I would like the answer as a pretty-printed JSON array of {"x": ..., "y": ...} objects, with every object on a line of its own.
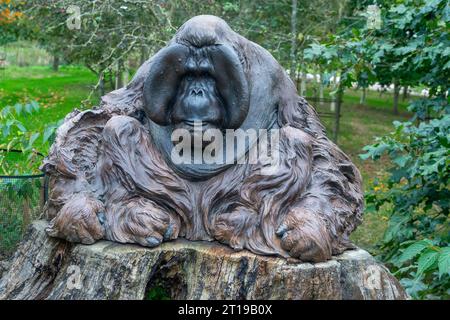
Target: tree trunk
[
  {"x": 48, "y": 268},
  {"x": 55, "y": 63},
  {"x": 125, "y": 73},
  {"x": 119, "y": 75},
  {"x": 362, "y": 100},
  {"x": 293, "y": 39},
  {"x": 144, "y": 55},
  {"x": 112, "y": 81},
  {"x": 303, "y": 84},
  {"x": 101, "y": 84},
  {"x": 405, "y": 93},
  {"x": 396, "y": 96},
  {"x": 321, "y": 89},
  {"x": 337, "y": 113}
]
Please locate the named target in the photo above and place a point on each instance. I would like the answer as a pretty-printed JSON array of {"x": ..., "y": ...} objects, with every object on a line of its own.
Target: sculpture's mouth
[
  {"x": 197, "y": 132},
  {"x": 196, "y": 126}
]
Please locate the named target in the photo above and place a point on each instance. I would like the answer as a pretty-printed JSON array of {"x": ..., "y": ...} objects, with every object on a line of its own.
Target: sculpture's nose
[{"x": 197, "y": 92}]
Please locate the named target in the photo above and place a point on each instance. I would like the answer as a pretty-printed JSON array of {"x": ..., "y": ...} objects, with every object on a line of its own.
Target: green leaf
[
  {"x": 426, "y": 261},
  {"x": 18, "y": 108},
  {"x": 48, "y": 133},
  {"x": 401, "y": 160},
  {"x": 374, "y": 151},
  {"x": 20, "y": 126},
  {"x": 28, "y": 108},
  {"x": 413, "y": 286},
  {"x": 6, "y": 129},
  {"x": 444, "y": 261},
  {"x": 33, "y": 138},
  {"x": 399, "y": 9},
  {"x": 414, "y": 249},
  {"x": 5, "y": 111},
  {"x": 35, "y": 106}
]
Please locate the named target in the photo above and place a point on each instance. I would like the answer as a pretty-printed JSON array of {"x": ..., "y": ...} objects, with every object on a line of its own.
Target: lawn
[
  {"x": 60, "y": 92},
  {"x": 56, "y": 92}
]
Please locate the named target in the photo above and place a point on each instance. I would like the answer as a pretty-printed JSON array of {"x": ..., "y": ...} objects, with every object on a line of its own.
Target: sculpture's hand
[
  {"x": 233, "y": 228},
  {"x": 81, "y": 219},
  {"x": 141, "y": 221},
  {"x": 304, "y": 235}
]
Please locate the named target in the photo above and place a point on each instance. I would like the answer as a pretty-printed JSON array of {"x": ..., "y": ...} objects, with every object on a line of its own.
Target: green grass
[
  {"x": 56, "y": 92},
  {"x": 60, "y": 92}
]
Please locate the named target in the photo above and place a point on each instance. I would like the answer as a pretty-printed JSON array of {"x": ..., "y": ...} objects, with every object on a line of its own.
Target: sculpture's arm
[
  {"x": 70, "y": 167},
  {"x": 318, "y": 224}
]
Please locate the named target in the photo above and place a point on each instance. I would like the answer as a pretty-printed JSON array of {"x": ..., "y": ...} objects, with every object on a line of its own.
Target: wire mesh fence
[{"x": 21, "y": 201}]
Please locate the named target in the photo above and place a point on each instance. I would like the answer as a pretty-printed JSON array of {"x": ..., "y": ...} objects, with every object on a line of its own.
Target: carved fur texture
[{"x": 110, "y": 180}]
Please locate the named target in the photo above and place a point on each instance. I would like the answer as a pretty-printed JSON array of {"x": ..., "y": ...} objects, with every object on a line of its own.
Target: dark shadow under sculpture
[{"x": 112, "y": 176}]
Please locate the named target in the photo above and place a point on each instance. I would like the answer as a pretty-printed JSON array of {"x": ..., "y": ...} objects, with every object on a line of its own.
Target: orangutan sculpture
[{"x": 113, "y": 175}]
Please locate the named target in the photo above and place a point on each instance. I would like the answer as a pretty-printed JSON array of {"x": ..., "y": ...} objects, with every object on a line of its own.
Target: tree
[
  {"x": 415, "y": 192},
  {"x": 410, "y": 47},
  {"x": 114, "y": 31},
  {"x": 9, "y": 17}
]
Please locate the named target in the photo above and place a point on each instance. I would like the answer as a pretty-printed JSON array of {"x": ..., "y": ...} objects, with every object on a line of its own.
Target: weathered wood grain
[{"x": 48, "y": 268}]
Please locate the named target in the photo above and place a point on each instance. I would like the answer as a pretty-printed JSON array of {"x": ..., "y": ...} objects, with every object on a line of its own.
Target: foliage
[
  {"x": 9, "y": 17},
  {"x": 416, "y": 242},
  {"x": 7, "y": 14},
  {"x": 16, "y": 137},
  {"x": 115, "y": 32},
  {"x": 416, "y": 190}
]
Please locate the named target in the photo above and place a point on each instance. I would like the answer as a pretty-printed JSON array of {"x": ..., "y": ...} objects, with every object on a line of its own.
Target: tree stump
[{"x": 48, "y": 268}]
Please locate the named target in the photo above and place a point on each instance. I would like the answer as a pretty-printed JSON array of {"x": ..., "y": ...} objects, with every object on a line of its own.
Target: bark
[
  {"x": 396, "y": 96},
  {"x": 144, "y": 55},
  {"x": 47, "y": 268},
  {"x": 119, "y": 75},
  {"x": 321, "y": 88},
  {"x": 101, "y": 84},
  {"x": 362, "y": 99},
  {"x": 111, "y": 80},
  {"x": 55, "y": 63},
  {"x": 405, "y": 93},
  {"x": 337, "y": 112},
  {"x": 303, "y": 84}
]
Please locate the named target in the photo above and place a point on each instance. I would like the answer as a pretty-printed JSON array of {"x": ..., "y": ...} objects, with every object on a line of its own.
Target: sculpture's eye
[{"x": 205, "y": 67}]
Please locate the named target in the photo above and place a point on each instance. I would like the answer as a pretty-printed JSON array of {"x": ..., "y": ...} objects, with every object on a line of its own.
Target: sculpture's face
[
  {"x": 200, "y": 78},
  {"x": 188, "y": 84}
]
